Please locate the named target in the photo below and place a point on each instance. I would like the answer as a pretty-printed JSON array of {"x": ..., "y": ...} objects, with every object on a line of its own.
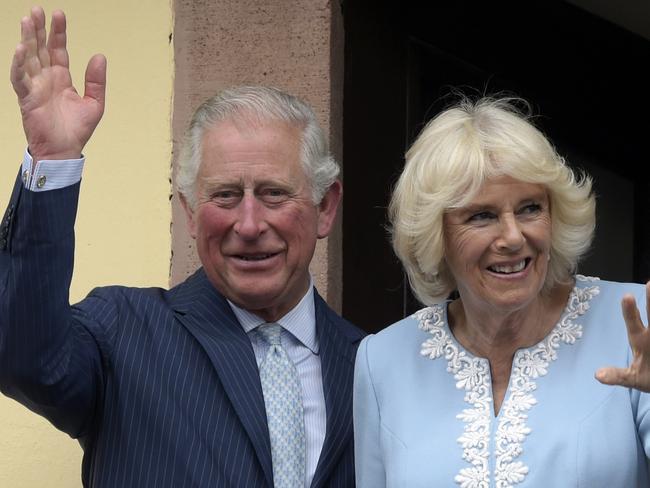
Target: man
[{"x": 241, "y": 376}]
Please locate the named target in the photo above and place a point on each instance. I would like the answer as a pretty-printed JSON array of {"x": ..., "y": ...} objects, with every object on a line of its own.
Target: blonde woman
[{"x": 504, "y": 385}]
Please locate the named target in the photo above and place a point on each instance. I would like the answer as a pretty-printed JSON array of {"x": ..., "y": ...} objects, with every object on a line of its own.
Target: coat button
[{"x": 40, "y": 183}]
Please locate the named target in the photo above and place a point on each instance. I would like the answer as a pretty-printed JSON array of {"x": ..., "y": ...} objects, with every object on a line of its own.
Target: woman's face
[{"x": 497, "y": 247}]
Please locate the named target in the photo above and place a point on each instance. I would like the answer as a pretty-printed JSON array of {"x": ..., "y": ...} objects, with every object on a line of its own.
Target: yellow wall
[{"x": 123, "y": 224}]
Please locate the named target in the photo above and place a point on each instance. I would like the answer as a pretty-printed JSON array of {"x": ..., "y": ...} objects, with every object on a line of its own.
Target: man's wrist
[{"x": 60, "y": 156}]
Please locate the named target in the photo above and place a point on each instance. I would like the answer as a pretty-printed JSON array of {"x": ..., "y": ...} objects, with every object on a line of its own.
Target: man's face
[{"x": 255, "y": 223}]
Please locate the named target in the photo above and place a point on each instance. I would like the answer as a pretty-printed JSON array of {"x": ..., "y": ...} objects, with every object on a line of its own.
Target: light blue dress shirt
[
  {"x": 301, "y": 343},
  {"x": 50, "y": 175}
]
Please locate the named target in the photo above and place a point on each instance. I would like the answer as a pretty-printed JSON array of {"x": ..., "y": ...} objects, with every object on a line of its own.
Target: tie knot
[{"x": 271, "y": 333}]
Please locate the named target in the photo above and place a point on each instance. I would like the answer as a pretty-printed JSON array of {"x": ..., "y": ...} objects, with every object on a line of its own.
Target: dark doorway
[{"x": 585, "y": 77}]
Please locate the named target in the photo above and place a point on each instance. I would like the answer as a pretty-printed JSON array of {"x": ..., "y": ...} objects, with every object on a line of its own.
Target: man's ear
[
  {"x": 327, "y": 208},
  {"x": 189, "y": 214}
]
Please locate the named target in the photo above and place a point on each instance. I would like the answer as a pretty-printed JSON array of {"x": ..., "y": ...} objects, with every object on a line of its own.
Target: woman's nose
[{"x": 511, "y": 236}]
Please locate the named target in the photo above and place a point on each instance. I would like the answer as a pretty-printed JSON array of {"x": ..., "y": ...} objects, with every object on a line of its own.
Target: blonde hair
[{"x": 446, "y": 166}]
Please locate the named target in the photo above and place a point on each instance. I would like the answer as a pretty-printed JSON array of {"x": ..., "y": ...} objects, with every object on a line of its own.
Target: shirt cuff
[{"x": 50, "y": 174}]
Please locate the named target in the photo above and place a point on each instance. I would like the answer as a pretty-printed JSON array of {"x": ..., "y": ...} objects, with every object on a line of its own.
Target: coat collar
[
  {"x": 208, "y": 317},
  {"x": 338, "y": 345}
]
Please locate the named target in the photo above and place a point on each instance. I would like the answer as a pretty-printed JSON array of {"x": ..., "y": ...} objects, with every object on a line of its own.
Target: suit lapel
[
  {"x": 337, "y": 353},
  {"x": 208, "y": 317}
]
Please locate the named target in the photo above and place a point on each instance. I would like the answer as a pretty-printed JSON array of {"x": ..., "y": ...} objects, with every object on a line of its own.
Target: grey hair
[
  {"x": 446, "y": 166},
  {"x": 257, "y": 104}
]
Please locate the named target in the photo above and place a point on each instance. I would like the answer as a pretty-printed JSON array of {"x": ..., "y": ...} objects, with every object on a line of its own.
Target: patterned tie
[{"x": 284, "y": 412}]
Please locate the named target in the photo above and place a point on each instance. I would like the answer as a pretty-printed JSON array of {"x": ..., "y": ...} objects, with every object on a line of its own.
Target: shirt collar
[{"x": 300, "y": 321}]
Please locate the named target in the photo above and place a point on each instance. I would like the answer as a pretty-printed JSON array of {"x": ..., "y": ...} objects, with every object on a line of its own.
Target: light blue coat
[{"x": 423, "y": 413}]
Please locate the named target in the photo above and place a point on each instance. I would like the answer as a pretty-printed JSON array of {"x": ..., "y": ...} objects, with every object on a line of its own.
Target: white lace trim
[{"x": 473, "y": 375}]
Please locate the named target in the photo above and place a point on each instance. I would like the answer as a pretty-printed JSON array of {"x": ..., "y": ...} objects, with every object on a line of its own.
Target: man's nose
[{"x": 251, "y": 218}]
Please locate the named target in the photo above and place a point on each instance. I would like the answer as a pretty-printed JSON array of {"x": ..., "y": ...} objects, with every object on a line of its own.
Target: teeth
[
  {"x": 255, "y": 258},
  {"x": 509, "y": 269}
]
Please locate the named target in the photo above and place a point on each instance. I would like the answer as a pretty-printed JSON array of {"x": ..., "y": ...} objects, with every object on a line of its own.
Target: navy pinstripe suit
[{"x": 160, "y": 387}]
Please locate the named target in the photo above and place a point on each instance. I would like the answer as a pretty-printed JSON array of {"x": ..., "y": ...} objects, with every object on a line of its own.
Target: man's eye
[
  {"x": 274, "y": 195},
  {"x": 225, "y": 197}
]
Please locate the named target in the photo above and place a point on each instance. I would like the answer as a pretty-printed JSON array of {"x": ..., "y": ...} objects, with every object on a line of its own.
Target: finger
[
  {"x": 632, "y": 317},
  {"x": 95, "y": 79},
  {"x": 19, "y": 79},
  {"x": 38, "y": 17},
  {"x": 616, "y": 376},
  {"x": 28, "y": 35},
  {"x": 57, "y": 41},
  {"x": 647, "y": 302},
  {"x": 32, "y": 64}
]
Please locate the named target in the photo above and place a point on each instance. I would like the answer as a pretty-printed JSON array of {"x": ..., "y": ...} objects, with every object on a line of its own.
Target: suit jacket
[{"x": 161, "y": 387}]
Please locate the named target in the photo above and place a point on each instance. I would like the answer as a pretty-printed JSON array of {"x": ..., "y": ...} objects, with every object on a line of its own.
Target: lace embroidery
[{"x": 472, "y": 375}]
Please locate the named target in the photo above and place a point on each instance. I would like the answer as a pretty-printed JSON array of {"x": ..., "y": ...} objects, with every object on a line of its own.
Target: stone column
[{"x": 296, "y": 46}]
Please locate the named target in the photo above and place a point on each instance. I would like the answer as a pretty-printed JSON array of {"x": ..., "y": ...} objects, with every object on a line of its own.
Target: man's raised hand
[{"x": 58, "y": 121}]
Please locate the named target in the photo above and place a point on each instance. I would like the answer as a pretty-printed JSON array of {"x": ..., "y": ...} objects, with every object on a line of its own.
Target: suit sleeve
[
  {"x": 48, "y": 361},
  {"x": 369, "y": 466}
]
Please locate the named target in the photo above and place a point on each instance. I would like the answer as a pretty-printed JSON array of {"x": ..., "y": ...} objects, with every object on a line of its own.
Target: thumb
[
  {"x": 616, "y": 376},
  {"x": 95, "y": 80}
]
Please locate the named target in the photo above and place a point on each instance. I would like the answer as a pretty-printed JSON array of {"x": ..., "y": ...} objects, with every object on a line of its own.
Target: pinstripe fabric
[{"x": 160, "y": 387}]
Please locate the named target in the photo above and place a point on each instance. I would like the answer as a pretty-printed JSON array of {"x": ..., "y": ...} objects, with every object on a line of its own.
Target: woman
[{"x": 496, "y": 388}]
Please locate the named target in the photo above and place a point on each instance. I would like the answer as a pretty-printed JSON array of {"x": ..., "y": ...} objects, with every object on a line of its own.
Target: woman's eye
[
  {"x": 481, "y": 216},
  {"x": 531, "y": 208}
]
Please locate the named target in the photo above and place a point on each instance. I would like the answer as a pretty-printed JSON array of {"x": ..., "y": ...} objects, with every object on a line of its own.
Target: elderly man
[{"x": 241, "y": 376}]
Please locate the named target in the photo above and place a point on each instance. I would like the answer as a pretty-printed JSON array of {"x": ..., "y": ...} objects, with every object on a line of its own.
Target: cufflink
[{"x": 40, "y": 182}]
